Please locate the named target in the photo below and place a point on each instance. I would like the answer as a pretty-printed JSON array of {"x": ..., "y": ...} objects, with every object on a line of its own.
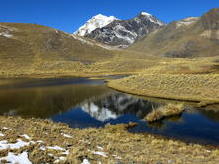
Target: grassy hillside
[
  {"x": 178, "y": 86},
  {"x": 35, "y": 50},
  {"x": 30, "y": 47},
  {"x": 198, "y": 38},
  {"x": 194, "y": 79},
  {"x": 39, "y": 51}
]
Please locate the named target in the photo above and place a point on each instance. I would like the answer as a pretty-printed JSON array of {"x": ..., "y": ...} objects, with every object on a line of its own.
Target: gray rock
[{"x": 123, "y": 33}]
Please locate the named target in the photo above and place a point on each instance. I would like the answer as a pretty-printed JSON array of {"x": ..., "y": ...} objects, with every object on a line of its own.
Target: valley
[{"x": 61, "y": 92}]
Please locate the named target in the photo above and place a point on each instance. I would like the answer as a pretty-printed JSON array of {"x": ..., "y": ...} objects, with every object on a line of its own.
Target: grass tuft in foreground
[{"x": 46, "y": 142}]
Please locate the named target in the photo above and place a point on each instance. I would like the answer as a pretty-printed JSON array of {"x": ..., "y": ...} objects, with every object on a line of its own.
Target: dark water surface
[{"x": 83, "y": 103}]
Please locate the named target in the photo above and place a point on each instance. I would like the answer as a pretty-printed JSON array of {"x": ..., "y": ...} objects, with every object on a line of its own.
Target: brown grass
[
  {"x": 42, "y": 51},
  {"x": 165, "y": 111},
  {"x": 172, "y": 86},
  {"x": 119, "y": 145}
]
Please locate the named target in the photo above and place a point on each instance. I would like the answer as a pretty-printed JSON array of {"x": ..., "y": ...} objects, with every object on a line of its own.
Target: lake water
[{"x": 83, "y": 103}]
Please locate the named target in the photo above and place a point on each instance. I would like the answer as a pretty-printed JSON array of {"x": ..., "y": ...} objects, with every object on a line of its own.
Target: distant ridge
[
  {"x": 190, "y": 37},
  {"x": 120, "y": 33}
]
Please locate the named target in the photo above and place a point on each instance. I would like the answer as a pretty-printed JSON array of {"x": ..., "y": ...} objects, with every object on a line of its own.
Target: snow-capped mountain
[
  {"x": 122, "y": 33},
  {"x": 95, "y": 22}
]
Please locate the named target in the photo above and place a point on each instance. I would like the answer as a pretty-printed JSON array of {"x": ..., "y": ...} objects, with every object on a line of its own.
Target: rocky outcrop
[{"x": 123, "y": 33}]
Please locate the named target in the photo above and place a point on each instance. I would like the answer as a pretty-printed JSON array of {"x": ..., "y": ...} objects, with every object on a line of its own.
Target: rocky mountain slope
[
  {"x": 122, "y": 33},
  {"x": 95, "y": 22},
  {"x": 191, "y": 37}
]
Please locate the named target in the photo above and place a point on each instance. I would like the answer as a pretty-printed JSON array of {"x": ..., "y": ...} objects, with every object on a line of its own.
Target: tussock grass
[
  {"x": 165, "y": 111},
  {"x": 119, "y": 145},
  {"x": 199, "y": 87}
]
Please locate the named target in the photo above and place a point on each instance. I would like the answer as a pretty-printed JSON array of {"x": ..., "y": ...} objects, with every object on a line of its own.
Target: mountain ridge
[
  {"x": 95, "y": 22},
  {"x": 195, "y": 38},
  {"x": 122, "y": 33}
]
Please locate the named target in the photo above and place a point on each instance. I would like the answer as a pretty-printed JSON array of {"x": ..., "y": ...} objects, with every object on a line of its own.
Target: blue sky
[{"x": 68, "y": 15}]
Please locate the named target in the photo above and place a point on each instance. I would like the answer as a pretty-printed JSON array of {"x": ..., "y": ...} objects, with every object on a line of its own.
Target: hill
[
  {"x": 32, "y": 50},
  {"x": 26, "y": 48},
  {"x": 191, "y": 37}
]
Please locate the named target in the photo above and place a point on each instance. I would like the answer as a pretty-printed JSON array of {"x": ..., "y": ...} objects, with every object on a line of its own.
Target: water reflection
[
  {"x": 83, "y": 103},
  {"x": 115, "y": 105},
  {"x": 211, "y": 112},
  {"x": 46, "y": 101}
]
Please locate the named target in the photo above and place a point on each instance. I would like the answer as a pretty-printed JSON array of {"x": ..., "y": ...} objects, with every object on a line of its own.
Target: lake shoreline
[
  {"x": 133, "y": 85},
  {"x": 113, "y": 144},
  {"x": 64, "y": 75}
]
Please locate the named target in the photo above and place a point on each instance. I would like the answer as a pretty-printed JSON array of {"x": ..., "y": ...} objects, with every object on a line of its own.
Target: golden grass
[
  {"x": 165, "y": 111},
  {"x": 118, "y": 144},
  {"x": 40, "y": 51},
  {"x": 43, "y": 52},
  {"x": 199, "y": 87}
]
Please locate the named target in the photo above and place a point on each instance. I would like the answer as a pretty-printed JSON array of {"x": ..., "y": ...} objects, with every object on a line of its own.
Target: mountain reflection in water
[
  {"x": 83, "y": 103},
  {"x": 115, "y": 105}
]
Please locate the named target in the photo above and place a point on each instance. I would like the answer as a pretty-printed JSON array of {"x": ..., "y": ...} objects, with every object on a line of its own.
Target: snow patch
[
  {"x": 145, "y": 13},
  {"x": 43, "y": 148},
  {"x": 85, "y": 161},
  {"x": 100, "y": 153},
  {"x": 117, "y": 157},
  {"x": 60, "y": 159},
  {"x": 65, "y": 153},
  {"x": 152, "y": 18},
  {"x": 1, "y": 134},
  {"x": 6, "y": 34},
  {"x": 25, "y": 136},
  {"x": 95, "y": 22},
  {"x": 4, "y": 145},
  {"x": 100, "y": 148},
  {"x": 17, "y": 159},
  {"x": 40, "y": 141},
  {"x": 55, "y": 148},
  {"x": 66, "y": 135},
  {"x": 50, "y": 154}
]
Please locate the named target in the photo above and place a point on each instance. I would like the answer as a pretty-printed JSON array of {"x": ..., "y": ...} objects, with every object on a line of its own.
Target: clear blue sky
[{"x": 68, "y": 15}]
